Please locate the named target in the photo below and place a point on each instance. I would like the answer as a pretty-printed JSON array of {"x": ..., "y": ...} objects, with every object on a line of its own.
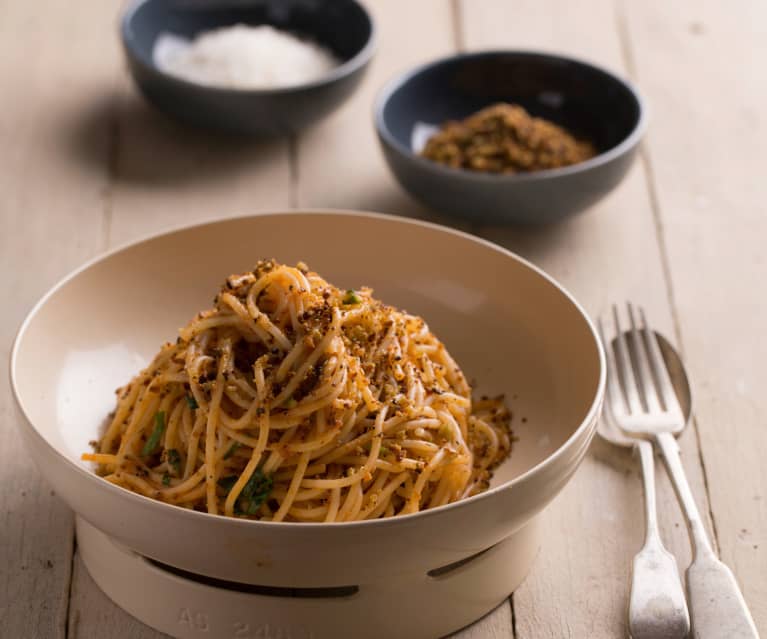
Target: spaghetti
[{"x": 292, "y": 400}]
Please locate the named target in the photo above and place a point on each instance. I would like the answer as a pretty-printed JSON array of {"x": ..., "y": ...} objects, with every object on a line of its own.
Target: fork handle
[
  {"x": 657, "y": 607},
  {"x": 670, "y": 451},
  {"x": 717, "y": 607}
]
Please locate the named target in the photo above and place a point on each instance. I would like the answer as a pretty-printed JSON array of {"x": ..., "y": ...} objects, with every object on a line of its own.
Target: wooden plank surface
[
  {"x": 50, "y": 221},
  {"x": 168, "y": 175},
  {"x": 579, "y": 585},
  {"x": 700, "y": 64}
]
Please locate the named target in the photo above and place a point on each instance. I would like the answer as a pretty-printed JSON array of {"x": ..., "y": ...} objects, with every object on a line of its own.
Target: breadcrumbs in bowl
[
  {"x": 504, "y": 138},
  {"x": 499, "y": 164}
]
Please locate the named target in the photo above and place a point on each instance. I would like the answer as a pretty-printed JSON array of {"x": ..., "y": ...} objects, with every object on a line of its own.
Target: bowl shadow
[
  {"x": 531, "y": 242},
  {"x": 139, "y": 144}
]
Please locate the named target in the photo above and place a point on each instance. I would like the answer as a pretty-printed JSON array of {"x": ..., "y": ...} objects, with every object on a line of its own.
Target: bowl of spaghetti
[{"x": 310, "y": 402}]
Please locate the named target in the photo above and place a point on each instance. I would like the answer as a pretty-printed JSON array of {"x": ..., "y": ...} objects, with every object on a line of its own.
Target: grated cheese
[{"x": 243, "y": 57}]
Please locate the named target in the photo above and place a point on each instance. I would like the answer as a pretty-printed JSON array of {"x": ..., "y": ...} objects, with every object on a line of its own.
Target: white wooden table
[{"x": 85, "y": 165}]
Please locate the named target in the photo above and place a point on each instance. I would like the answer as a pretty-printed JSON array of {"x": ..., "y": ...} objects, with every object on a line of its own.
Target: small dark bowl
[
  {"x": 343, "y": 26},
  {"x": 588, "y": 101}
]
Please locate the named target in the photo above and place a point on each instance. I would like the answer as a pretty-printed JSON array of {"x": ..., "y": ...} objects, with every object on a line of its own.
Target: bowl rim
[
  {"x": 588, "y": 421},
  {"x": 385, "y": 94},
  {"x": 357, "y": 62}
]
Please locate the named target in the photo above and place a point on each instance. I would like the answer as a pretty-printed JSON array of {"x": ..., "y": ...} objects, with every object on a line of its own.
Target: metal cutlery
[
  {"x": 657, "y": 604},
  {"x": 643, "y": 404}
]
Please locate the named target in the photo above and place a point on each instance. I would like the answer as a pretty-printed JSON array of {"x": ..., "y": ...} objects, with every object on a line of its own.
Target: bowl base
[{"x": 411, "y": 607}]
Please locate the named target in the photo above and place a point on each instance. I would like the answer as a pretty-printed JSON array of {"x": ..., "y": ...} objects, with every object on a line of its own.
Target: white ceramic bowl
[{"x": 510, "y": 326}]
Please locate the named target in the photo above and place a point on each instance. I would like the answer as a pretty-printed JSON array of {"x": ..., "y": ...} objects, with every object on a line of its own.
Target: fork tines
[{"x": 638, "y": 378}]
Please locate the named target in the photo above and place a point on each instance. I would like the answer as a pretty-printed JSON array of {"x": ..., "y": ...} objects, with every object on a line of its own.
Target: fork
[
  {"x": 657, "y": 605},
  {"x": 643, "y": 404}
]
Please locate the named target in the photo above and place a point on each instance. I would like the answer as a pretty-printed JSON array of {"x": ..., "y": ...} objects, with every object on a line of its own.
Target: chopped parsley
[
  {"x": 351, "y": 297},
  {"x": 384, "y": 450},
  {"x": 227, "y": 482},
  {"x": 174, "y": 459},
  {"x": 166, "y": 479},
  {"x": 253, "y": 494},
  {"x": 154, "y": 439},
  {"x": 232, "y": 450},
  {"x": 290, "y": 402},
  {"x": 192, "y": 402}
]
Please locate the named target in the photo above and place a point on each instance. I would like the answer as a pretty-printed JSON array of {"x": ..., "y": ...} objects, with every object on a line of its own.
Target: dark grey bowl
[
  {"x": 343, "y": 26},
  {"x": 587, "y": 100}
]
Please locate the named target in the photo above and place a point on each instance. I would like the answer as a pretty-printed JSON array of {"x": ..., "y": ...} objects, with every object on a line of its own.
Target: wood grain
[
  {"x": 168, "y": 175},
  {"x": 579, "y": 585},
  {"x": 698, "y": 64},
  {"x": 51, "y": 220},
  {"x": 497, "y": 624}
]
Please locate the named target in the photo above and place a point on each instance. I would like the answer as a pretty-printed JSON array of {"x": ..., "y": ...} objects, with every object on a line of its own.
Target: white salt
[{"x": 243, "y": 57}]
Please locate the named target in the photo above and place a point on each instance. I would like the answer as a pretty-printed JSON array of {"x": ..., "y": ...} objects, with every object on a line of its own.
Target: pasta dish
[{"x": 293, "y": 400}]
